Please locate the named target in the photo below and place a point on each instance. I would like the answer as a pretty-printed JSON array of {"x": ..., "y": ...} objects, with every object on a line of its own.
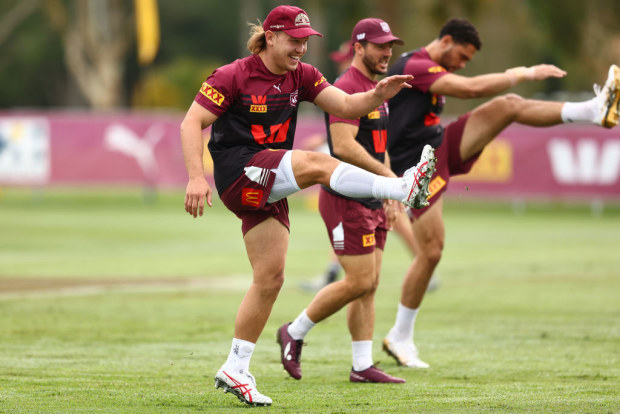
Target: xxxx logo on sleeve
[
  {"x": 212, "y": 94},
  {"x": 320, "y": 81},
  {"x": 368, "y": 240},
  {"x": 436, "y": 69}
]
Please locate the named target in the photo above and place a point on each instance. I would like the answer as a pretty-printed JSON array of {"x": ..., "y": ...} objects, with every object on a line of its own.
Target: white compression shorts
[{"x": 285, "y": 183}]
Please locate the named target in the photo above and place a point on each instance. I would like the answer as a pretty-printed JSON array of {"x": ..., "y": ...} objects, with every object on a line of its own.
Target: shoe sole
[
  {"x": 610, "y": 119},
  {"x": 421, "y": 199},
  {"x": 386, "y": 348},
  {"x": 227, "y": 389}
]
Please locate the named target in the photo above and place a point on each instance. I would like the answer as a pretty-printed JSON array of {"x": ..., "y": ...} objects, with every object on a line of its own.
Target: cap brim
[
  {"x": 386, "y": 39},
  {"x": 302, "y": 32}
]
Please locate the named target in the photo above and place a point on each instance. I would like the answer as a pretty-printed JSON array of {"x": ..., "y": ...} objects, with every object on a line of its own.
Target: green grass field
[{"x": 112, "y": 305}]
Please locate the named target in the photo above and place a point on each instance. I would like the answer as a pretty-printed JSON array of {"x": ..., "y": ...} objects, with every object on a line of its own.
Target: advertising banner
[{"x": 560, "y": 162}]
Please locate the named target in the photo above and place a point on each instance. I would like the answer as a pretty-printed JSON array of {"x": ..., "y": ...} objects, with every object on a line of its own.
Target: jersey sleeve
[
  {"x": 425, "y": 72},
  {"x": 216, "y": 93},
  {"x": 313, "y": 82}
]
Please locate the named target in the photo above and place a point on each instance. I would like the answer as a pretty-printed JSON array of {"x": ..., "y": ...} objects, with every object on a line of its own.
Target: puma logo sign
[{"x": 287, "y": 352}]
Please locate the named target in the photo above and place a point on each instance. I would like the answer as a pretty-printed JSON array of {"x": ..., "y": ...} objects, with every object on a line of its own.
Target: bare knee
[
  {"x": 431, "y": 251},
  {"x": 509, "y": 104},
  {"x": 359, "y": 286},
  {"x": 312, "y": 168},
  {"x": 269, "y": 286}
]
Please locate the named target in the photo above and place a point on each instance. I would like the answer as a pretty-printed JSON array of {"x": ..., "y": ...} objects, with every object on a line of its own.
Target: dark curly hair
[{"x": 462, "y": 31}]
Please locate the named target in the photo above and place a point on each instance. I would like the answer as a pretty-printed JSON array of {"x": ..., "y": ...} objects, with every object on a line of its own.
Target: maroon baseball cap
[
  {"x": 344, "y": 53},
  {"x": 375, "y": 31},
  {"x": 291, "y": 20}
]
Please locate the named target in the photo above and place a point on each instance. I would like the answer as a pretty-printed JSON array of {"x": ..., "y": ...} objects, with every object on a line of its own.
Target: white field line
[{"x": 220, "y": 283}]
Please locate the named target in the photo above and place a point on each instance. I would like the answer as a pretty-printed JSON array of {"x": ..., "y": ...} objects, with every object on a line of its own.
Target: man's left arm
[
  {"x": 491, "y": 84},
  {"x": 349, "y": 150}
]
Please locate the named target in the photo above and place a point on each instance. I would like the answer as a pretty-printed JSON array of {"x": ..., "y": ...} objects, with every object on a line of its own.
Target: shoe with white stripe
[
  {"x": 608, "y": 98},
  {"x": 290, "y": 351},
  {"x": 243, "y": 385},
  {"x": 416, "y": 179}
]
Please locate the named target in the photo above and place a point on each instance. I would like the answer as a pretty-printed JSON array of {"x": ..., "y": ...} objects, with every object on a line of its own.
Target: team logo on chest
[
  {"x": 294, "y": 98},
  {"x": 259, "y": 104}
]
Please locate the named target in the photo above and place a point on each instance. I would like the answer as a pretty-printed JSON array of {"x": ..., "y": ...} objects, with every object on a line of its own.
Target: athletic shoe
[
  {"x": 416, "y": 179},
  {"x": 405, "y": 353},
  {"x": 374, "y": 374},
  {"x": 609, "y": 99},
  {"x": 243, "y": 385},
  {"x": 433, "y": 284},
  {"x": 316, "y": 284},
  {"x": 290, "y": 351}
]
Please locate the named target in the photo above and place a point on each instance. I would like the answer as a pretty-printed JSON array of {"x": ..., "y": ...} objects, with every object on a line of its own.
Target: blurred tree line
[{"x": 84, "y": 53}]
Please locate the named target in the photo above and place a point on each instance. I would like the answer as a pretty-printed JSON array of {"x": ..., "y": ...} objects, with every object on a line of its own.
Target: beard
[{"x": 372, "y": 66}]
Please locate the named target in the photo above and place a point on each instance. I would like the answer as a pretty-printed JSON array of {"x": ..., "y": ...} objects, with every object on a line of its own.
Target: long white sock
[
  {"x": 403, "y": 327},
  {"x": 362, "y": 355},
  {"x": 353, "y": 181},
  {"x": 586, "y": 111},
  {"x": 300, "y": 326},
  {"x": 240, "y": 355}
]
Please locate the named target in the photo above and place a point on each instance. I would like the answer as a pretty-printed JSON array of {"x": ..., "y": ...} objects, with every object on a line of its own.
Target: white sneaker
[
  {"x": 416, "y": 179},
  {"x": 243, "y": 385},
  {"x": 608, "y": 99},
  {"x": 405, "y": 353}
]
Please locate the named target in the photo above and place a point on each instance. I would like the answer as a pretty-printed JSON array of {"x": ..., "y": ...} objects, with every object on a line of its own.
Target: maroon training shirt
[
  {"x": 256, "y": 110},
  {"x": 372, "y": 132},
  {"x": 414, "y": 112}
]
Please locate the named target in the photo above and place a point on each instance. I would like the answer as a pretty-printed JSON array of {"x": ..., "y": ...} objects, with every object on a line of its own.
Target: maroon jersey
[
  {"x": 372, "y": 132},
  {"x": 256, "y": 110},
  {"x": 414, "y": 112}
]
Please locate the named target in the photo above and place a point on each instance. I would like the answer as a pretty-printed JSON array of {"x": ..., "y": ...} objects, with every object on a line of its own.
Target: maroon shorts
[
  {"x": 247, "y": 197},
  {"x": 353, "y": 228},
  {"x": 449, "y": 163}
]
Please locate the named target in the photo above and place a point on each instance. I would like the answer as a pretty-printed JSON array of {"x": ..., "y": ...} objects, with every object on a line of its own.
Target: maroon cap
[
  {"x": 291, "y": 20},
  {"x": 344, "y": 53},
  {"x": 375, "y": 31}
]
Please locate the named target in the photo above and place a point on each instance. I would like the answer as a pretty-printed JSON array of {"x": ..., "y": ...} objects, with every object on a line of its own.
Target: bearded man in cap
[
  {"x": 357, "y": 227},
  {"x": 252, "y": 105}
]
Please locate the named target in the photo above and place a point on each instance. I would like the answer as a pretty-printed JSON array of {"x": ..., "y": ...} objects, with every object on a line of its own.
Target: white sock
[
  {"x": 353, "y": 181},
  {"x": 362, "y": 355},
  {"x": 300, "y": 326},
  {"x": 240, "y": 355},
  {"x": 388, "y": 188},
  {"x": 580, "y": 111},
  {"x": 405, "y": 322}
]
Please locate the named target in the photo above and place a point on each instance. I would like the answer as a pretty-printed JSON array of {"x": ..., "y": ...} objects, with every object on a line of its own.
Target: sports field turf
[{"x": 112, "y": 305}]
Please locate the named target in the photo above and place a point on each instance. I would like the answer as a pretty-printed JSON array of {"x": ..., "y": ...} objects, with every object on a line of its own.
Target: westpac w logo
[{"x": 585, "y": 162}]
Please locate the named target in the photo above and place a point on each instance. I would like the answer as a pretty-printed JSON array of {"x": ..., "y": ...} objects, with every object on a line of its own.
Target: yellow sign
[
  {"x": 212, "y": 94},
  {"x": 368, "y": 240},
  {"x": 435, "y": 185},
  {"x": 495, "y": 164},
  {"x": 258, "y": 108}
]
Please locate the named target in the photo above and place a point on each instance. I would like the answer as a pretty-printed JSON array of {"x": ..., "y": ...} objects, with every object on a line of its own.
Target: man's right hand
[{"x": 195, "y": 194}]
